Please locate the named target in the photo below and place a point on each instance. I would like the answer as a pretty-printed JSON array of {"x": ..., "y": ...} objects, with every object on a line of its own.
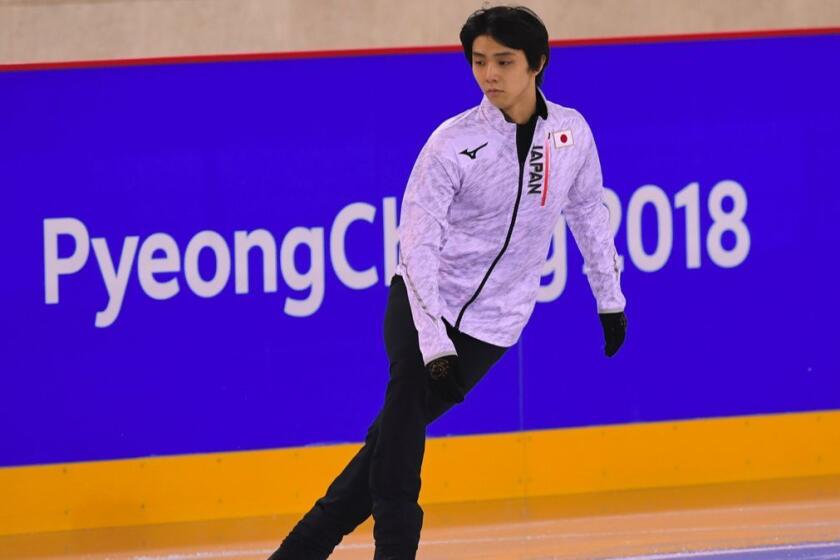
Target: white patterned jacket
[{"x": 475, "y": 227}]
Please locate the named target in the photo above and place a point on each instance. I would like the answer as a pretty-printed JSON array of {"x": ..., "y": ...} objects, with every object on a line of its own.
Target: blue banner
[{"x": 196, "y": 256}]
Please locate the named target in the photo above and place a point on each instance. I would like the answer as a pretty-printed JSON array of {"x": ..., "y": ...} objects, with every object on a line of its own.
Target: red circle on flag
[{"x": 563, "y": 138}]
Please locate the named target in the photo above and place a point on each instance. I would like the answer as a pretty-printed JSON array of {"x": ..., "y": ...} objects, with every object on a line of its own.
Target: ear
[{"x": 542, "y": 65}]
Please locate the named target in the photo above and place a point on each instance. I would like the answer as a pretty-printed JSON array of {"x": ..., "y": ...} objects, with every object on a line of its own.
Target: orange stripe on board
[{"x": 456, "y": 469}]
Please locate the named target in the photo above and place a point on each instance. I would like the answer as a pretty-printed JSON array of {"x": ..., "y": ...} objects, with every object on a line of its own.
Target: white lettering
[
  {"x": 115, "y": 281},
  {"x": 655, "y": 196},
  {"x": 392, "y": 237},
  {"x": 148, "y": 265},
  {"x": 358, "y": 280},
  {"x": 54, "y": 266},
  {"x": 313, "y": 279},
  {"x": 207, "y": 240},
  {"x": 243, "y": 242}
]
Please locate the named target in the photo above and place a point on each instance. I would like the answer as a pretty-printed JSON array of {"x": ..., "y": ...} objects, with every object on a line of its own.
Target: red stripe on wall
[{"x": 409, "y": 50}]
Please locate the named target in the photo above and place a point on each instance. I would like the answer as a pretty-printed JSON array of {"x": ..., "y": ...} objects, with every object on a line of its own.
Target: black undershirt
[{"x": 525, "y": 132}]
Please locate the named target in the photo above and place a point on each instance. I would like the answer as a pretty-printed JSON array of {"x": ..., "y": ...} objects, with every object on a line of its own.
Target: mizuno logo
[{"x": 471, "y": 153}]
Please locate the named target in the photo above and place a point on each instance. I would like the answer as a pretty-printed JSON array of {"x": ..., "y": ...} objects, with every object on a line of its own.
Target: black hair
[{"x": 516, "y": 27}]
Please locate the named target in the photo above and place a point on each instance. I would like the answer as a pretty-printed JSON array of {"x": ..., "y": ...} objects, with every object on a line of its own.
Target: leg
[
  {"x": 395, "y": 466},
  {"x": 348, "y": 502},
  {"x": 397, "y": 458},
  {"x": 346, "y": 505},
  {"x": 409, "y": 408}
]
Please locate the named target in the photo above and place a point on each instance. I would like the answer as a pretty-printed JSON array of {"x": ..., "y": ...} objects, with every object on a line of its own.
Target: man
[{"x": 477, "y": 218}]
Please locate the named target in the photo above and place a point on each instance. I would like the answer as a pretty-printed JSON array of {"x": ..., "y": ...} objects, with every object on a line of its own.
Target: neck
[{"x": 523, "y": 108}]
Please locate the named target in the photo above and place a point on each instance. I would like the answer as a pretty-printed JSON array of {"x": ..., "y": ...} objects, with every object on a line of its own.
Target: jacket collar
[{"x": 497, "y": 119}]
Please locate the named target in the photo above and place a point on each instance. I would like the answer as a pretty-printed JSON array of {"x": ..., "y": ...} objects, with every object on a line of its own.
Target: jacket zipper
[{"x": 504, "y": 247}]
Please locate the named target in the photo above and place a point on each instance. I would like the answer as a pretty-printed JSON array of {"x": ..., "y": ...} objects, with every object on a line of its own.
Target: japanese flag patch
[{"x": 563, "y": 138}]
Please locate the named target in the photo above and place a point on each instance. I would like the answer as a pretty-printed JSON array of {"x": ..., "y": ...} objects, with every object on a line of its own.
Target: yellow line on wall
[{"x": 456, "y": 469}]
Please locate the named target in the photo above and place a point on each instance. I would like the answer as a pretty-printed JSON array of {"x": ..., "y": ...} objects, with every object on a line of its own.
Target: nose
[{"x": 491, "y": 73}]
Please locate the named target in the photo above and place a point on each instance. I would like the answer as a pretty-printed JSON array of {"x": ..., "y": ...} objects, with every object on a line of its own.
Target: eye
[
  {"x": 504, "y": 62},
  {"x": 478, "y": 62}
]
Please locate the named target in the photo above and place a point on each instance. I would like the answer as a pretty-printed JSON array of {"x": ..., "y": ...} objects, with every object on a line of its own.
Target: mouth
[{"x": 493, "y": 91}]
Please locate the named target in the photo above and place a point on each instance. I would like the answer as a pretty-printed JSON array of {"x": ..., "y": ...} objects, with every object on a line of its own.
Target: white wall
[{"x": 67, "y": 30}]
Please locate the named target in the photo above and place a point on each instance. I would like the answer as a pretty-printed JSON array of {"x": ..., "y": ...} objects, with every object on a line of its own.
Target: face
[{"x": 501, "y": 72}]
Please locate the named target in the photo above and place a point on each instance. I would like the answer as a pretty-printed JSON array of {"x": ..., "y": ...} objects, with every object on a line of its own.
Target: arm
[
  {"x": 589, "y": 222},
  {"x": 431, "y": 187}
]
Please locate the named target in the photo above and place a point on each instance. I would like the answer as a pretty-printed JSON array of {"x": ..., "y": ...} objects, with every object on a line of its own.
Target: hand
[
  {"x": 443, "y": 379},
  {"x": 615, "y": 329}
]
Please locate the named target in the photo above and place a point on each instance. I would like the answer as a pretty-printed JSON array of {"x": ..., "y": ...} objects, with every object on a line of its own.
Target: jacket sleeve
[
  {"x": 423, "y": 222},
  {"x": 589, "y": 221}
]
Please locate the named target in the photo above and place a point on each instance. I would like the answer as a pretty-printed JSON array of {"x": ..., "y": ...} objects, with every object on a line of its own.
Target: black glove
[
  {"x": 443, "y": 379},
  {"x": 615, "y": 328}
]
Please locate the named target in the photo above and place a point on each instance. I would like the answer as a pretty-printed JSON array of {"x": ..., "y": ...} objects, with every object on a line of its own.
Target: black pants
[{"x": 383, "y": 478}]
